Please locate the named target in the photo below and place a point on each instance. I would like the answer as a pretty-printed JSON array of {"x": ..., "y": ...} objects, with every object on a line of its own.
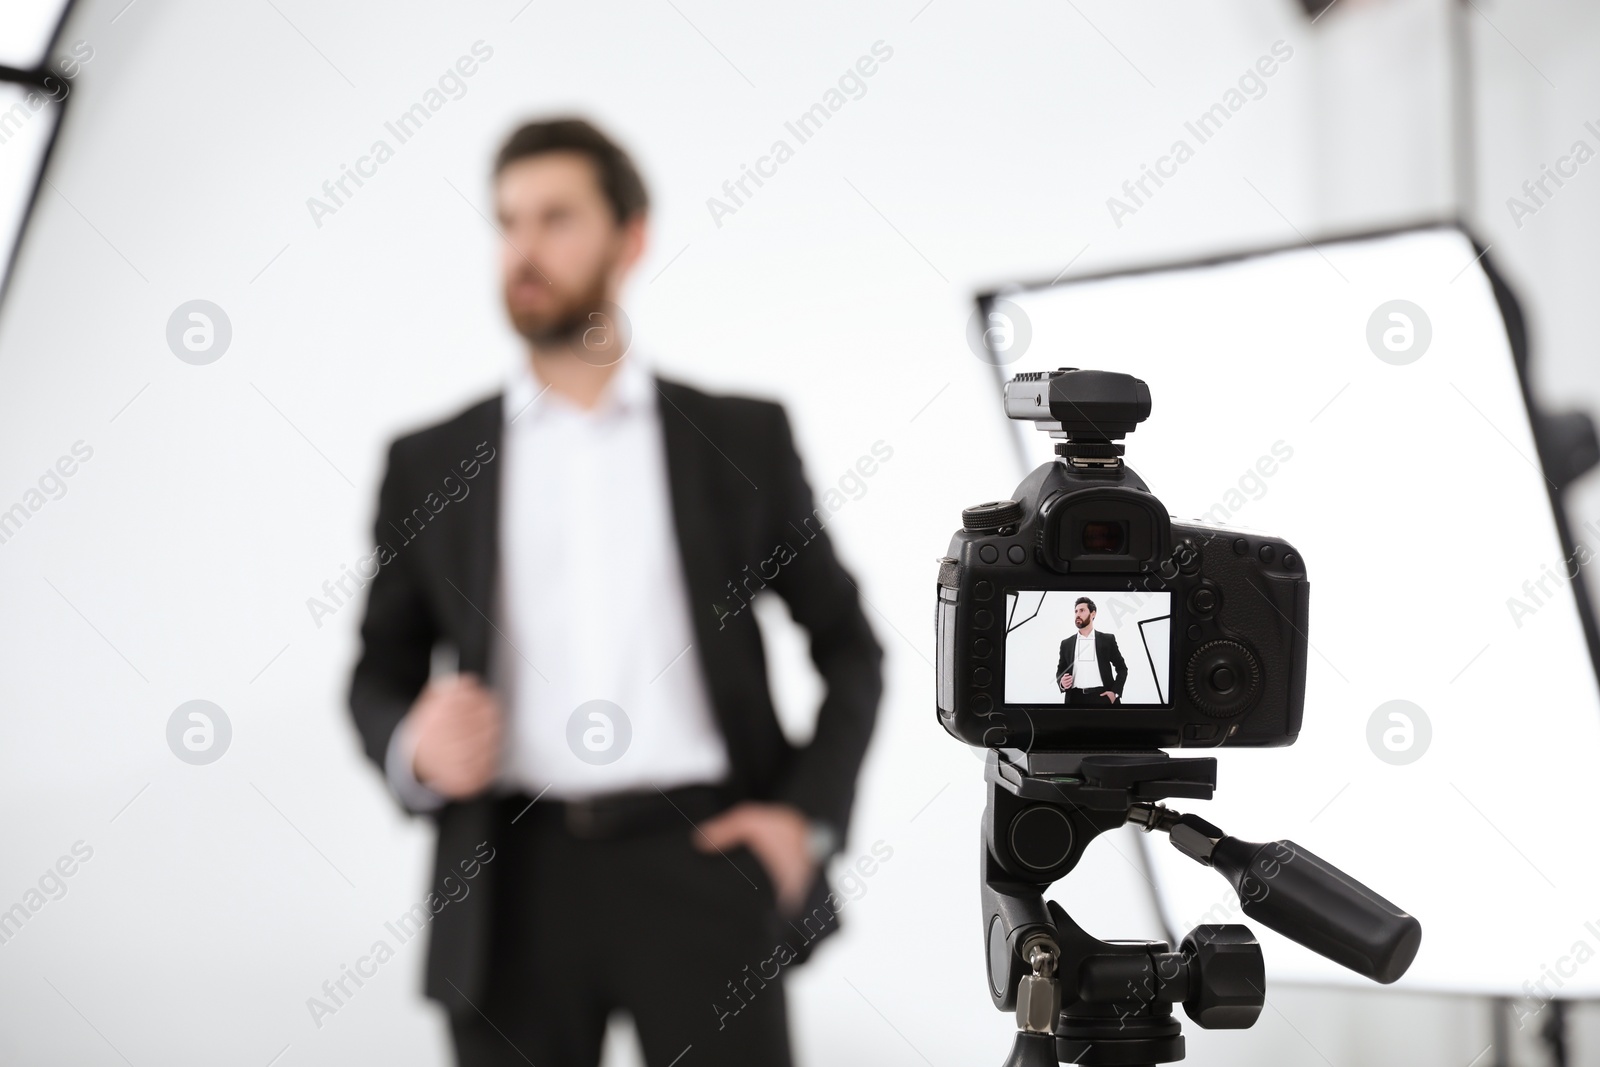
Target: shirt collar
[{"x": 630, "y": 391}]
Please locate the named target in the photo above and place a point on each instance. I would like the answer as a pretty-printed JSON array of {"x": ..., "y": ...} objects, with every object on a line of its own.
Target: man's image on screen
[{"x": 1091, "y": 670}]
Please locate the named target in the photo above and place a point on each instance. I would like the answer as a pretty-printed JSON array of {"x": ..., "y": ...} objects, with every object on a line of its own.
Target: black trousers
[
  {"x": 637, "y": 921},
  {"x": 1088, "y": 697}
]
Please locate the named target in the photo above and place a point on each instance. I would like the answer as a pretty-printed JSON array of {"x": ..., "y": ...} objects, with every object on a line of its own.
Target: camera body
[{"x": 1196, "y": 634}]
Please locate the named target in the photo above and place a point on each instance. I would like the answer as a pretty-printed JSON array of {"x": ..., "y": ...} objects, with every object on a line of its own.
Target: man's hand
[
  {"x": 1066, "y": 680},
  {"x": 1111, "y": 694},
  {"x": 457, "y": 725},
  {"x": 778, "y": 834}
]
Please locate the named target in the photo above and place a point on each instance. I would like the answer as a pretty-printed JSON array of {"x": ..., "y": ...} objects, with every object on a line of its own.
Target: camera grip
[{"x": 1312, "y": 902}]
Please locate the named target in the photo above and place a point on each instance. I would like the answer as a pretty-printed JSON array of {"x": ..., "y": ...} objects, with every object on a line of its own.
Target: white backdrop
[{"x": 175, "y": 562}]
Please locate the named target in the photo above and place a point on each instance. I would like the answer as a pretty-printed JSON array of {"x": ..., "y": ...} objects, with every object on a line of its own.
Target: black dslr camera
[
  {"x": 1196, "y": 635},
  {"x": 1080, "y": 632}
]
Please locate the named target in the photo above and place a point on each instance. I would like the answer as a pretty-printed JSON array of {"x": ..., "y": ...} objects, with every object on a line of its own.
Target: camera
[
  {"x": 1079, "y": 616},
  {"x": 1080, "y": 631}
]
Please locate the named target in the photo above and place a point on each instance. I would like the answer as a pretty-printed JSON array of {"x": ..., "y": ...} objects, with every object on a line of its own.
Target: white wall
[{"x": 218, "y": 498}]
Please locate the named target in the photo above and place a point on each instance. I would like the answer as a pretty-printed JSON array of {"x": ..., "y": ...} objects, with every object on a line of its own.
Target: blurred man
[
  {"x": 623, "y": 820},
  {"x": 1090, "y": 669}
]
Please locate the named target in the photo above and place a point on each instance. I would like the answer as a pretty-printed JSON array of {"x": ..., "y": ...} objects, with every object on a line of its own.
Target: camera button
[
  {"x": 981, "y": 677},
  {"x": 983, "y": 591},
  {"x": 991, "y": 516},
  {"x": 988, "y": 553},
  {"x": 983, "y": 619},
  {"x": 1223, "y": 678},
  {"x": 1016, "y": 554},
  {"x": 1241, "y": 547},
  {"x": 982, "y": 647},
  {"x": 1205, "y": 600},
  {"x": 1268, "y": 553},
  {"x": 1194, "y": 631}
]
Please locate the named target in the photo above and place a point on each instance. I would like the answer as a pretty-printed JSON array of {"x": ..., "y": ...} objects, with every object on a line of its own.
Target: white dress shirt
[
  {"x": 590, "y": 604},
  {"x": 1086, "y": 671}
]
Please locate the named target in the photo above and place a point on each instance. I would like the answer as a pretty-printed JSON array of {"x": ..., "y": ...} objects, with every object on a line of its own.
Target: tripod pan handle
[{"x": 1284, "y": 886}]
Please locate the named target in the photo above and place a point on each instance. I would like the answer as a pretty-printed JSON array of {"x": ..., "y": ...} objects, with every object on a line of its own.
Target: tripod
[{"x": 1109, "y": 1003}]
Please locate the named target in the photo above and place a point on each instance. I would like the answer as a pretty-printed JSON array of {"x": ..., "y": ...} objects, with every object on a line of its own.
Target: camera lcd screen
[{"x": 1088, "y": 649}]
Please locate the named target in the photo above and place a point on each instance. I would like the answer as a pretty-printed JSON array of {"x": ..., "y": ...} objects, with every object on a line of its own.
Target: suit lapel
[
  {"x": 1071, "y": 662},
  {"x": 480, "y": 534},
  {"x": 694, "y": 522}
]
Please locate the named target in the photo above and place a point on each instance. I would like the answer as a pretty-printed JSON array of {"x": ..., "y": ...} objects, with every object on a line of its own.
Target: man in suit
[
  {"x": 1090, "y": 670},
  {"x": 604, "y": 765}
]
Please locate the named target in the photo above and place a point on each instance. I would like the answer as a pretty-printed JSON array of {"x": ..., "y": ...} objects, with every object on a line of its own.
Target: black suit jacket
[
  {"x": 738, "y": 493},
  {"x": 1108, "y": 655}
]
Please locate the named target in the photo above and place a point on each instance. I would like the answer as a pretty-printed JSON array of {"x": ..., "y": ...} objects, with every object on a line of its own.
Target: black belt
[{"x": 627, "y": 814}]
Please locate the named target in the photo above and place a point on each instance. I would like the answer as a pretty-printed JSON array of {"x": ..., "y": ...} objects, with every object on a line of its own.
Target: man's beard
[
  {"x": 566, "y": 322},
  {"x": 1084, "y": 625}
]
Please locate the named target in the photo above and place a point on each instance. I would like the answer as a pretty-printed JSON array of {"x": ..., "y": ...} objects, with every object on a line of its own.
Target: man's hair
[
  {"x": 619, "y": 178},
  {"x": 1085, "y": 600}
]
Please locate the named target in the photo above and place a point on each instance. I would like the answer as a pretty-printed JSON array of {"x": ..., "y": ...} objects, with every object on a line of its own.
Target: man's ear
[{"x": 635, "y": 242}]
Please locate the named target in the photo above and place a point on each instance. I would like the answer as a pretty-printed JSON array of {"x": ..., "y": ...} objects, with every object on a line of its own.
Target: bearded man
[{"x": 602, "y": 759}]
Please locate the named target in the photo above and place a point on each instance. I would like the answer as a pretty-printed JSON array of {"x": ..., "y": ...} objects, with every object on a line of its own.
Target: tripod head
[{"x": 1082, "y": 1000}]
